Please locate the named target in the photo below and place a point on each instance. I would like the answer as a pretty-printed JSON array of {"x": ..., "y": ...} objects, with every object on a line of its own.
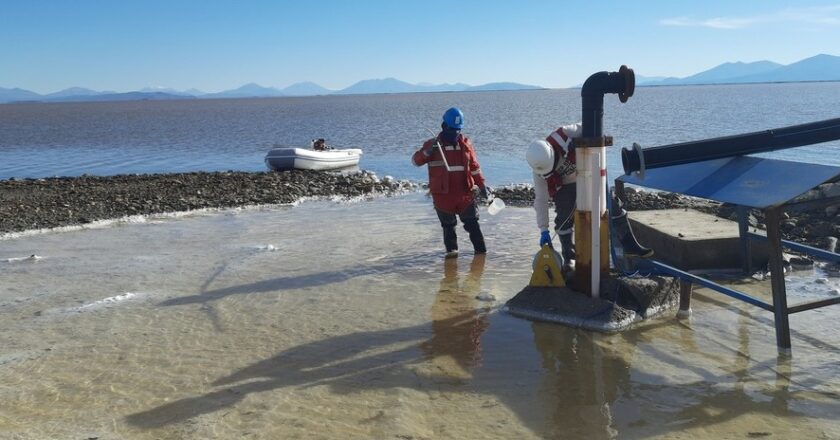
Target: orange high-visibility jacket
[{"x": 451, "y": 190}]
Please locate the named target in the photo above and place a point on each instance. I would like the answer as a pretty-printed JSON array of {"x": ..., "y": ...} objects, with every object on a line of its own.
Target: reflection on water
[
  {"x": 457, "y": 324},
  {"x": 257, "y": 324}
]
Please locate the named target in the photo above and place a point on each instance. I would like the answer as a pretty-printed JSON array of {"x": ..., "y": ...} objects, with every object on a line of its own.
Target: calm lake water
[
  {"x": 40, "y": 140},
  {"x": 333, "y": 320},
  {"x": 254, "y": 324}
]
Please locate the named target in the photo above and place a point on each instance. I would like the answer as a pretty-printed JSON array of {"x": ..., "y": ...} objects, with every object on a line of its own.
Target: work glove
[
  {"x": 545, "y": 239},
  {"x": 485, "y": 192}
]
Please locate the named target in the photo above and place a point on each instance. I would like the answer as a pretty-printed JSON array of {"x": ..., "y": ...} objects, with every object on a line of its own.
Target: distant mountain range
[
  {"x": 252, "y": 90},
  {"x": 817, "y": 68}
]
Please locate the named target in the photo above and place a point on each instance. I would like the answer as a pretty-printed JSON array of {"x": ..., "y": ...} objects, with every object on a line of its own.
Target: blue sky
[{"x": 123, "y": 45}]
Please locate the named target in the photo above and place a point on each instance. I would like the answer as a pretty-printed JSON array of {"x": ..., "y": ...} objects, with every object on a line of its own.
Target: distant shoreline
[
  {"x": 122, "y": 97},
  {"x": 232, "y": 98}
]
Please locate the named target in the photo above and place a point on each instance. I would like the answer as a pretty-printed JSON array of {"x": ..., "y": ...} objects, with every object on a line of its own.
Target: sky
[{"x": 125, "y": 45}]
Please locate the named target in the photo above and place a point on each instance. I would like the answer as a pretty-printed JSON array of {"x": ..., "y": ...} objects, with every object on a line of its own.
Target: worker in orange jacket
[{"x": 455, "y": 180}]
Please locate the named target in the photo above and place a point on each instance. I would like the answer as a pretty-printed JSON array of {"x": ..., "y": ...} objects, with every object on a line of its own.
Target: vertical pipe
[
  {"x": 591, "y": 220},
  {"x": 777, "y": 279},
  {"x": 604, "y": 214},
  {"x": 744, "y": 239},
  {"x": 595, "y": 225},
  {"x": 584, "y": 219}
]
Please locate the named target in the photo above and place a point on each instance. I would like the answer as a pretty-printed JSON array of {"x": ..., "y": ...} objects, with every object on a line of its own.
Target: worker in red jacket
[{"x": 454, "y": 180}]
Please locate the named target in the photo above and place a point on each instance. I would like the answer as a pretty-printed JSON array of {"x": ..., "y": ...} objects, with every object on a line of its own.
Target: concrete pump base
[{"x": 624, "y": 300}]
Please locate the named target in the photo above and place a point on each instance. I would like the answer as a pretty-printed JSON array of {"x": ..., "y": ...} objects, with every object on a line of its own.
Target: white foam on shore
[
  {"x": 132, "y": 219},
  {"x": 139, "y": 219}
]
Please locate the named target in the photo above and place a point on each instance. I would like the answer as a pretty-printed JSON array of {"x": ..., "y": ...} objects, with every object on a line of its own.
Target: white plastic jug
[{"x": 495, "y": 206}]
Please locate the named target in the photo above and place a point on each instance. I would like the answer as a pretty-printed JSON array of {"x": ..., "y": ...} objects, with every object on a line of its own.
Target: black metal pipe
[
  {"x": 728, "y": 146},
  {"x": 592, "y": 94}
]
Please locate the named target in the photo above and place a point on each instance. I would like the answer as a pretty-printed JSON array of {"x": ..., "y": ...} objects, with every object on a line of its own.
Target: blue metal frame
[
  {"x": 799, "y": 247},
  {"x": 747, "y": 182},
  {"x": 683, "y": 275}
]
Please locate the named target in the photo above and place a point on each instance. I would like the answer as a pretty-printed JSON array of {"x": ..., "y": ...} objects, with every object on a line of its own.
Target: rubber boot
[
  {"x": 450, "y": 240},
  {"x": 625, "y": 236},
  {"x": 476, "y": 237},
  {"x": 568, "y": 248}
]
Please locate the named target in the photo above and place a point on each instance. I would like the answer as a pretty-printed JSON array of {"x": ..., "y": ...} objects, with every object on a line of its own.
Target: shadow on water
[
  {"x": 389, "y": 265},
  {"x": 584, "y": 388}
]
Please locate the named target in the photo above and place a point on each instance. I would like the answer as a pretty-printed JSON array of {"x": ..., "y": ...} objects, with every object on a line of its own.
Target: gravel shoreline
[
  {"x": 818, "y": 227},
  {"x": 65, "y": 201}
]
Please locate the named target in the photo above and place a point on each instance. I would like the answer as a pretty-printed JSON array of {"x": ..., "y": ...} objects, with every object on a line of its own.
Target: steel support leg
[
  {"x": 685, "y": 299},
  {"x": 777, "y": 278},
  {"x": 743, "y": 229}
]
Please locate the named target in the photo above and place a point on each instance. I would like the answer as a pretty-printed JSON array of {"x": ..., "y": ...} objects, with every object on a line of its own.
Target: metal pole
[
  {"x": 777, "y": 279},
  {"x": 685, "y": 299},
  {"x": 743, "y": 229}
]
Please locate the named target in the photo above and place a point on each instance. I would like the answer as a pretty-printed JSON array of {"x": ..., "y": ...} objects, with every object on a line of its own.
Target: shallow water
[{"x": 342, "y": 320}]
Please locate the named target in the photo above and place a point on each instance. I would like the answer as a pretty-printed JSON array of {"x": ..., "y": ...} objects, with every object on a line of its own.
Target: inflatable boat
[{"x": 279, "y": 159}]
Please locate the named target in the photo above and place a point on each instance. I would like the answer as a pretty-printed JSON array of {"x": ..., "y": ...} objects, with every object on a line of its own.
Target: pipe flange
[
  {"x": 629, "y": 83},
  {"x": 641, "y": 172}
]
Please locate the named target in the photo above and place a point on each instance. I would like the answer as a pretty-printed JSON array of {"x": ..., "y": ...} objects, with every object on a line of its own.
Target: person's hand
[
  {"x": 431, "y": 149},
  {"x": 545, "y": 239},
  {"x": 484, "y": 193}
]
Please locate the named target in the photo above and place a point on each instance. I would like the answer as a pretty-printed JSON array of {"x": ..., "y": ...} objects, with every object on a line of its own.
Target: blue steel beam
[
  {"x": 664, "y": 268},
  {"x": 805, "y": 249}
]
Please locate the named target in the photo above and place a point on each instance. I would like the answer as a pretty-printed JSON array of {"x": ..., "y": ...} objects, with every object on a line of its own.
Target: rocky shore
[
  {"x": 64, "y": 201},
  {"x": 818, "y": 227}
]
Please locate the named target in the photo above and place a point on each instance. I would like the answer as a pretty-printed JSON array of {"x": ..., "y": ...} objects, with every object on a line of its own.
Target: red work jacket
[{"x": 451, "y": 190}]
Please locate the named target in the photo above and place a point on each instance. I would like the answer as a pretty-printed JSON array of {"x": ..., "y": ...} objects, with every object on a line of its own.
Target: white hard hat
[{"x": 540, "y": 156}]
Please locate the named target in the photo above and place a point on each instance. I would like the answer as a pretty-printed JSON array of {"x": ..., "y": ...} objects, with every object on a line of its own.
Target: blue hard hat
[{"x": 454, "y": 118}]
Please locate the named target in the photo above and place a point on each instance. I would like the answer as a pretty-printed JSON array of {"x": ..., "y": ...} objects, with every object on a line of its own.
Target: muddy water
[{"x": 332, "y": 320}]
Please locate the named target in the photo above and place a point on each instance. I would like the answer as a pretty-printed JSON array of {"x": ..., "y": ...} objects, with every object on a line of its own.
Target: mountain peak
[{"x": 820, "y": 67}]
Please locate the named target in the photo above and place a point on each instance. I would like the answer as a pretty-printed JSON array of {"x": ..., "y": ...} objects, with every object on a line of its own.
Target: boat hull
[{"x": 280, "y": 159}]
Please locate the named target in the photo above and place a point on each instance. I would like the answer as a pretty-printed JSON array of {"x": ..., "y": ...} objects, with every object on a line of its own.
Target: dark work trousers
[
  {"x": 469, "y": 216},
  {"x": 564, "y": 207},
  {"x": 564, "y": 220}
]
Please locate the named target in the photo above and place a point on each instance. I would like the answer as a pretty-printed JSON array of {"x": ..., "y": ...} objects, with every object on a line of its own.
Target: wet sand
[{"x": 258, "y": 323}]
